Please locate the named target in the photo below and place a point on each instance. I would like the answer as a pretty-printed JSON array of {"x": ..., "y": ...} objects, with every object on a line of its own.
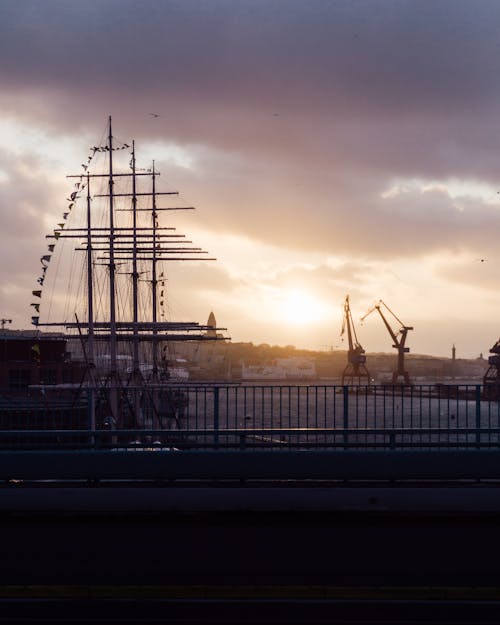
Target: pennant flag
[
  {"x": 61, "y": 225},
  {"x": 77, "y": 185},
  {"x": 40, "y": 280},
  {"x": 85, "y": 167},
  {"x": 46, "y": 258},
  {"x": 34, "y": 320},
  {"x": 70, "y": 206},
  {"x": 56, "y": 234},
  {"x": 44, "y": 269},
  {"x": 161, "y": 293},
  {"x": 36, "y": 293},
  {"x": 36, "y": 307},
  {"x": 51, "y": 247},
  {"x": 65, "y": 215},
  {"x": 73, "y": 196}
]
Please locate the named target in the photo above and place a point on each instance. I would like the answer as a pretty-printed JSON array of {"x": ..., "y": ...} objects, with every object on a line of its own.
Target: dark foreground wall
[
  {"x": 251, "y": 549},
  {"x": 249, "y": 567}
]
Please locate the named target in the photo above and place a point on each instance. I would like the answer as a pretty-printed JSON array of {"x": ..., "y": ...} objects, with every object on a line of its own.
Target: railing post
[
  {"x": 478, "y": 415},
  {"x": 392, "y": 440},
  {"x": 91, "y": 415},
  {"x": 216, "y": 416},
  {"x": 346, "y": 413}
]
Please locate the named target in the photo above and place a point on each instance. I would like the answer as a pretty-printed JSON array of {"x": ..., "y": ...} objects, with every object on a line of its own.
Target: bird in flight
[{"x": 154, "y": 114}]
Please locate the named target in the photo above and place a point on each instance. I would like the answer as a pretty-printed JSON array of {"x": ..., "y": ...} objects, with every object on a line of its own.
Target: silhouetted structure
[
  {"x": 355, "y": 371},
  {"x": 491, "y": 378},
  {"x": 399, "y": 342}
]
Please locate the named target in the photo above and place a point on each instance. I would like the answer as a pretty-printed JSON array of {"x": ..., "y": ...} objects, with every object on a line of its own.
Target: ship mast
[
  {"x": 90, "y": 282},
  {"x": 90, "y": 310},
  {"x": 136, "y": 371},
  {"x": 135, "y": 274},
  {"x": 112, "y": 286},
  {"x": 154, "y": 279}
]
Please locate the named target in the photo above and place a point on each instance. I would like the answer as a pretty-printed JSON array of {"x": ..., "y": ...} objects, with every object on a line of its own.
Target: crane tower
[
  {"x": 491, "y": 380},
  {"x": 355, "y": 369},
  {"x": 399, "y": 340}
]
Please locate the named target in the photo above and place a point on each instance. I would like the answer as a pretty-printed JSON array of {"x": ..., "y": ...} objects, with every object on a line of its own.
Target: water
[{"x": 278, "y": 417}]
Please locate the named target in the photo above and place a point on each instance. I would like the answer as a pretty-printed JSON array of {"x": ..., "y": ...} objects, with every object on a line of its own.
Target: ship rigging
[{"x": 126, "y": 248}]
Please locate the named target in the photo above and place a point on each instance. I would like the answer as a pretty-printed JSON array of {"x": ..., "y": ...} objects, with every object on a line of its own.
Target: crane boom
[
  {"x": 398, "y": 341},
  {"x": 389, "y": 329}
]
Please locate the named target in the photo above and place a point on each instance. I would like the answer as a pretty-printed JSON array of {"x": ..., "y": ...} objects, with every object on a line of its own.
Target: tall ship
[{"x": 111, "y": 248}]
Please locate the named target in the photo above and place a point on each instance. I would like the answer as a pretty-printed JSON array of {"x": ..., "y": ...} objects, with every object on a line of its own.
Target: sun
[{"x": 300, "y": 308}]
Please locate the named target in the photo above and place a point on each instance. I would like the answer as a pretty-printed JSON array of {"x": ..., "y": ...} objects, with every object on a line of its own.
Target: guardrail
[{"x": 267, "y": 417}]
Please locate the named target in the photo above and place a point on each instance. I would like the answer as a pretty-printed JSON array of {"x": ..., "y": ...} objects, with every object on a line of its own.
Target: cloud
[
  {"x": 350, "y": 49},
  {"x": 481, "y": 272},
  {"x": 329, "y": 130}
]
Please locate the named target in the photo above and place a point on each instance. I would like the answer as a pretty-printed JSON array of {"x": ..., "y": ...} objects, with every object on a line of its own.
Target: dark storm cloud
[
  {"x": 323, "y": 103},
  {"x": 398, "y": 53}
]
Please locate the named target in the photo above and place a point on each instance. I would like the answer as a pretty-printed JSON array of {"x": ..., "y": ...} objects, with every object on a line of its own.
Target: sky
[{"x": 329, "y": 147}]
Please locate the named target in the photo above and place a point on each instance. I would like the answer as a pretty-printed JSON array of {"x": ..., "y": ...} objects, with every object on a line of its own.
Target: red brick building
[{"x": 27, "y": 359}]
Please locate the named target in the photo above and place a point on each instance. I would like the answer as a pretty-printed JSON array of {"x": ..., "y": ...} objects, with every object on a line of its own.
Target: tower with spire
[{"x": 212, "y": 326}]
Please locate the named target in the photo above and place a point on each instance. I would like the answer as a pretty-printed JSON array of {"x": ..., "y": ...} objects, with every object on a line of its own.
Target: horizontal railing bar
[{"x": 260, "y": 431}]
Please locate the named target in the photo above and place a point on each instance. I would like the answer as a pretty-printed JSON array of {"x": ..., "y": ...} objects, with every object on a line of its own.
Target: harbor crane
[
  {"x": 491, "y": 379},
  {"x": 399, "y": 340},
  {"x": 355, "y": 369}
]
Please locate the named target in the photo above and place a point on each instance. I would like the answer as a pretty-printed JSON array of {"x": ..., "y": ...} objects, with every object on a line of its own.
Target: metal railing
[{"x": 254, "y": 417}]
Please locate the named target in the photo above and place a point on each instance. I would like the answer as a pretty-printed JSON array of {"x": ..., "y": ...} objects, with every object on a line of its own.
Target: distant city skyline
[{"x": 330, "y": 148}]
